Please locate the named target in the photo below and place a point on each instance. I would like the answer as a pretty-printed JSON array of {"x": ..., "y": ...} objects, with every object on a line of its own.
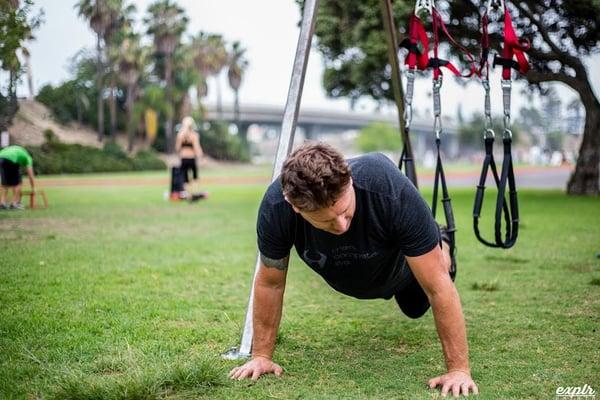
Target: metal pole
[
  {"x": 286, "y": 139},
  {"x": 392, "y": 43}
]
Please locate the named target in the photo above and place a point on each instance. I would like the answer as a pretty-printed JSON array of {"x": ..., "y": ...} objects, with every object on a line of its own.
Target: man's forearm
[
  {"x": 450, "y": 324},
  {"x": 268, "y": 303}
]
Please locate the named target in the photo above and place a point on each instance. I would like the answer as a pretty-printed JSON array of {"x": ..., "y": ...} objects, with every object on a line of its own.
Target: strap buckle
[
  {"x": 410, "y": 86},
  {"x": 506, "y": 89},
  {"x": 437, "y": 107},
  {"x": 488, "y": 105}
]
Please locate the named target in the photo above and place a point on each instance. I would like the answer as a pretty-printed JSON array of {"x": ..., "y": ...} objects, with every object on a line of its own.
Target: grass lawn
[{"x": 113, "y": 293}]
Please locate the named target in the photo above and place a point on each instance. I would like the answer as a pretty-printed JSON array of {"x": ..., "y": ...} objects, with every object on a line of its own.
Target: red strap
[
  {"x": 417, "y": 35},
  {"x": 485, "y": 47},
  {"x": 438, "y": 22},
  {"x": 513, "y": 46},
  {"x": 420, "y": 60}
]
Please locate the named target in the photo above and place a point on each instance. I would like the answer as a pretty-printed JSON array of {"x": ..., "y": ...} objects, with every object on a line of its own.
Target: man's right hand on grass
[{"x": 256, "y": 367}]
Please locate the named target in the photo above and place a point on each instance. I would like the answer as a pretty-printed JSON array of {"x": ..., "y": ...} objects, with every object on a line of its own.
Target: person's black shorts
[
  {"x": 189, "y": 164},
  {"x": 410, "y": 296},
  {"x": 11, "y": 175}
]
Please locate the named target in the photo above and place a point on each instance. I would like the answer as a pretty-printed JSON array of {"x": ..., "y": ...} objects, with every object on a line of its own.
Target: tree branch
[
  {"x": 543, "y": 56},
  {"x": 539, "y": 77},
  {"x": 561, "y": 56}
]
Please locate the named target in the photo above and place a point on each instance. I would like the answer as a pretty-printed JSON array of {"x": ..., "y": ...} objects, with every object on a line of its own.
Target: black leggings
[{"x": 188, "y": 164}]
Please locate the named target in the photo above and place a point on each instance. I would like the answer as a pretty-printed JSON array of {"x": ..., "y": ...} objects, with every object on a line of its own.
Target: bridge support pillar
[
  {"x": 243, "y": 132},
  {"x": 310, "y": 131}
]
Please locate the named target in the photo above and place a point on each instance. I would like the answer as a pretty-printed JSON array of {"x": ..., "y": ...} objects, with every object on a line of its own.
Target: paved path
[{"x": 526, "y": 176}]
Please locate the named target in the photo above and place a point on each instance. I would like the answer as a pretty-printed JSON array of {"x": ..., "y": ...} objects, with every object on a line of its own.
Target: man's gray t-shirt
[{"x": 391, "y": 221}]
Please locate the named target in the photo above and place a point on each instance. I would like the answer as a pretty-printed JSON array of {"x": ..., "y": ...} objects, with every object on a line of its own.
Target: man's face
[{"x": 335, "y": 219}]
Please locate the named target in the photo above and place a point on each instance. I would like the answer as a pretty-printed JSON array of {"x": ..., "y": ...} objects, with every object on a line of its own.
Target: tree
[
  {"x": 378, "y": 136},
  {"x": 71, "y": 100},
  {"x": 100, "y": 16},
  {"x": 210, "y": 56},
  {"x": 16, "y": 27},
  {"x": 121, "y": 24},
  {"x": 237, "y": 65},
  {"x": 166, "y": 22},
  {"x": 561, "y": 33},
  {"x": 133, "y": 57}
]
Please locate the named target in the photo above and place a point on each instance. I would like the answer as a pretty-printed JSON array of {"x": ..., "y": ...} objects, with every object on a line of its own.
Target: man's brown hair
[{"x": 314, "y": 176}]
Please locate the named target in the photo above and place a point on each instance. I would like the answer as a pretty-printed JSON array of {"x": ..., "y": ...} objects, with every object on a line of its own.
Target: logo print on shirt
[{"x": 315, "y": 258}]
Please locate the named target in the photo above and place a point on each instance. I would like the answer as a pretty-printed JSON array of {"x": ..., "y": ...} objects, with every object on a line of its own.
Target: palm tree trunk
[
  {"x": 219, "y": 98},
  {"x": 100, "y": 89},
  {"x": 13, "y": 104},
  {"x": 112, "y": 107},
  {"x": 29, "y": 73},
  {"x": 130, "y": 122},
  {"x": 169, "y": 119},
  {"x": 79, "y": 112},
  {"x": 236, "y": 117}
]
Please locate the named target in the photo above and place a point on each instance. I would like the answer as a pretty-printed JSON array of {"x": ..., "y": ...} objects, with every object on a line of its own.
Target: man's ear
[{"x": 296, "y": 209}]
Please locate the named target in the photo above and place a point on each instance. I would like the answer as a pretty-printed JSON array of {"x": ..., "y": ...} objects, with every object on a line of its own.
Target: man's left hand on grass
[{"x": 455, "y": 382}]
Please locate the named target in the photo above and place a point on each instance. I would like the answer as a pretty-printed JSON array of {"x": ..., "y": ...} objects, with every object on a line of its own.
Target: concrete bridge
[{"x": 329, "y": 125}]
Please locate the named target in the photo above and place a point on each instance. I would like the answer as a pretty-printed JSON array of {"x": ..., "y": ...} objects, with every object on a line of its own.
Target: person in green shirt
[{"x": 12, "y": 158}]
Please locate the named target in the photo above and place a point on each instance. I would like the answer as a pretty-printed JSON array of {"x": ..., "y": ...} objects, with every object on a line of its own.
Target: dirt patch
[
  {"x": 33, "y": 118},
  {"x": 45, "y": 228},
  {"x": 222, "y": 180}
]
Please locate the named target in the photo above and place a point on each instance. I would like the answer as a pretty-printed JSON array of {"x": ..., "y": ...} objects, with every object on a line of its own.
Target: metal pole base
[{"x": 234, "y": 354}]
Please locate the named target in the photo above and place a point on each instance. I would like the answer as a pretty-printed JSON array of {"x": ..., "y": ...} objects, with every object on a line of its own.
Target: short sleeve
[
  {"x": 275, "y": 226},
  {"x": 416, "y": 229}
]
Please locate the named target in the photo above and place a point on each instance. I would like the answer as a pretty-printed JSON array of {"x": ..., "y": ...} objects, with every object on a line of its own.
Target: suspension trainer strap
[
  {"x": 511, "y": 217},
  {"x": 490, "y": 164},
  {"x": 513, "y": 46},
  {"x": 417, "y": 44},
  {"x": 406, "y": 163},
  {"x": 435, "y": 63},
  {"x": 440, "y": 176},
  {"x": 484, "y": 68}
]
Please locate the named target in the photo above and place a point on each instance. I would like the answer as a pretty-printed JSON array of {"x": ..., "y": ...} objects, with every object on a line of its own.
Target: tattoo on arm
[{"x": 277, "y": 264}]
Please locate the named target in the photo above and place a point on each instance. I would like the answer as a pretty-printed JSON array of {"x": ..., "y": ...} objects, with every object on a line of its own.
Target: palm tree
[
  {"x": 166, "y": 23},
  {"x": 210, "y": 57},
  {"x": 236, "y": 67},
  {"x": 121, "y": 27},
  {"x": 132, "y": 60},
  {"x": 100, "y": 17}
]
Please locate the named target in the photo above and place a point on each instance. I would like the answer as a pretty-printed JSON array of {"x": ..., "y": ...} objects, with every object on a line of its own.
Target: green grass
[{"x": 113, "y": 293}]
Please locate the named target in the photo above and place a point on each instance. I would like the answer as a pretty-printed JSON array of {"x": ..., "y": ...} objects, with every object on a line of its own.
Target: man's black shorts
[
  {"x": 11, "y": 176},
  {"x": 189, "y": 164}
]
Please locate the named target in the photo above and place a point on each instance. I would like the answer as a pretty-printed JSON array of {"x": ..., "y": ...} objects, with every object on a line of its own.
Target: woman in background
[{"x": 188, "y": 147}]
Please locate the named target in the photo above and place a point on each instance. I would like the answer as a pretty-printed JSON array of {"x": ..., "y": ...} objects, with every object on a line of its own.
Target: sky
[{"x": 268, "y": 29}]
